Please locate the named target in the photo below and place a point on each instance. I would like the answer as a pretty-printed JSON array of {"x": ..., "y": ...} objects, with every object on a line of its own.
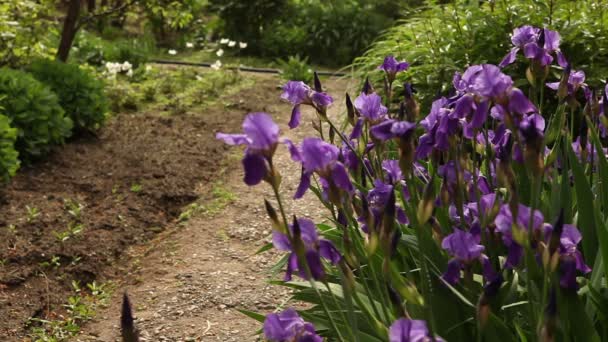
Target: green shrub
[
  {"x": 80, "y": 95},
  {"x": 34, "y": 111},
  {"x": 94, "y": 50},
  {"x": 9, "y": 161},
  {"x": 438, "y": 40},
  {"x": 295, "y": 69},
  {"x": 122, "y": 97}
]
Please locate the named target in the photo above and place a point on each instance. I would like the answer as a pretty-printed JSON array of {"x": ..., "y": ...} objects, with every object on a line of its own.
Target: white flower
[
  {"x": 198, "y": 77},
  {"x": 172, "y": 52},
  {"x": 242, "y": 45},
  {"x": 189, "y": 45},
  {"x": 231, "y": 43},
  {"x": 217, "y": 65},
  {"x": 224, "y": 41},
  {"x": 126, "y": 66},
  {"x": 219, "y": 53},
  {"x": 148, "y": 67},
  {"x": 130, "y": 73}
]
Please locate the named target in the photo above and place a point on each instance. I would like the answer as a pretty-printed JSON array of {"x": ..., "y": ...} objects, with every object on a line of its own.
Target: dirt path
[{"x": 188, "y": 284}]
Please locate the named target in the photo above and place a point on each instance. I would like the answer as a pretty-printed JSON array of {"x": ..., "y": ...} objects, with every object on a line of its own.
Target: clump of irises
[{"x": 483, "y": 217}]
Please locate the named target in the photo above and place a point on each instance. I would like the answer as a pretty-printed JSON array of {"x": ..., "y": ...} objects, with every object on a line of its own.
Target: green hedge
[
  {"x": 34, "y": 111},
  {"x": 9, "y": 161},
  {"x": 80, "y": 95}
]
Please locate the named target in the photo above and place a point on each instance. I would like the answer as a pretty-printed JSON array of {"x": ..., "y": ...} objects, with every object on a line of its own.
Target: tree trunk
[
  {"x": 69, "y": 30},
  {"x": 91, "y": 6}
]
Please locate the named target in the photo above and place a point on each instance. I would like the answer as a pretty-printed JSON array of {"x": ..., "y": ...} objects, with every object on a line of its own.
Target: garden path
[{"x": 188, "y": 284}]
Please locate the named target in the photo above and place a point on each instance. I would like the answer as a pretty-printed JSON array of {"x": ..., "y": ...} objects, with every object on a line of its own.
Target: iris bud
[
  {"x": 427, "y": 204},
  {"x": 350, "y": 110}
]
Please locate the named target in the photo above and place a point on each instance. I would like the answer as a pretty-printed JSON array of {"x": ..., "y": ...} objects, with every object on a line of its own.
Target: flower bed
[{"x": 481, "y": 220}]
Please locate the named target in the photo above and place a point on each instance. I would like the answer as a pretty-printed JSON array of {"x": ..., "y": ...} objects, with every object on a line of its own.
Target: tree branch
[{"x": 91, "y": 17}]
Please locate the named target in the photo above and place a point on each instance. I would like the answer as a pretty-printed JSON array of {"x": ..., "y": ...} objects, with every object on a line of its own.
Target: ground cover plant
[{"x": 480, "y": 217}]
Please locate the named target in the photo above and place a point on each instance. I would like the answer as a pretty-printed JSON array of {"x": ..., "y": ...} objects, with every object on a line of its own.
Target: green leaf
[
  {"x": 264, "y": 248},
  {"x": 258, "y": 317},
  {"x": 584, "y": 202}
]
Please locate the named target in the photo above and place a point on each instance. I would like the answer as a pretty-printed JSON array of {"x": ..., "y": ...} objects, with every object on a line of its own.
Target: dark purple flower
[
  {"x": 439, "y": 125},
  {"x": 465, "y": 249},
  {"x": 391, "y": 66},
  {"x": 370, "y": 107},
  {"x": 261, "y": 136},
  {"x": 378, "y": 199},
  {"x": 537, "y": 44},
  {"x": 575, "y": 81},
  {"x": 462, "y": 245},
  {"x": 392, "y": 170},
  {"x": 490, "y": 82},
  {"x": 410, "y": 330},
  {"x": 571, "y": 258},
  {"x": 318, "y": 156},
  {"x": 315, "y": 249},
  {"x": 505, "y": 224},
  {"x": 390, "y": 129},
  {"x": 298, "y": 93},
  {"x": 288, "y": 326}
]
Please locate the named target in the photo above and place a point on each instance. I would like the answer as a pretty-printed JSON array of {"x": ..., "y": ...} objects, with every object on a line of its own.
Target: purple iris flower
[
  {"x": 537, "y": 44},
  {"x": 318, "y": 156},
  {"x": 288, "y": 326},
  {"x": 261, "y": 136},
  {"x": 571, "y": 258},
  {"x": 410, "y": 330},
  {"x": 473, "y": 214},
  {"x": 439, "y": 125},
  {"x": 378, "y": 199},
  {"x": 490, "y": 83},
  {"x": 298, "y": 93},
  {"x": 504, "y": 224},
  {"x": 315, "y": 249},
  {"x": 390, "y": 129},
  {"x": 576, "y": 80},
  {"x": 370, "y": 107},
  {"x": 578, "y": 150},
  {"x": 464, "y": 248},
  {"x": 391, "y": 66},
  {"x": 449, "y": 172},
  {"x": 393, "y": 171}
]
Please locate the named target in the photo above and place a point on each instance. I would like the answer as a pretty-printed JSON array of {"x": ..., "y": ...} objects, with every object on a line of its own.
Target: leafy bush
[
  {"x": 9, "y": 161},
  {"x": 330, "y": 33},
  {"x": 80, "y": 95},
  {"x": 34, "y": 111},
  {"x": 24, "y": 29},
  {"x": 440, "y": 39},
  {"x": 122, "y": 97},
  {"x": 94, "y": 50},
  {"x": 296, "y": 69},
  {"x": 482, "y": 217}
]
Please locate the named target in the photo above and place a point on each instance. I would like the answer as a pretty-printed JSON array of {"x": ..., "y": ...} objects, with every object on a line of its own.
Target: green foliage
[
  {"x": 248, "y": 21},
  {"x": 295, "y": 69},
  {"x": 438, "y": 40},
  {"x": 9, "y": 161},
  {"x": 94, "y": 50},
  {"x": 122, "y": 97},
  {"x": 23, "y": 29},
  {"x": 80, "y": 94},
  {"x": 329, "y": 33},
  {"x": 34, "y": 111},
  {"x": 168, "y": 17}
]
